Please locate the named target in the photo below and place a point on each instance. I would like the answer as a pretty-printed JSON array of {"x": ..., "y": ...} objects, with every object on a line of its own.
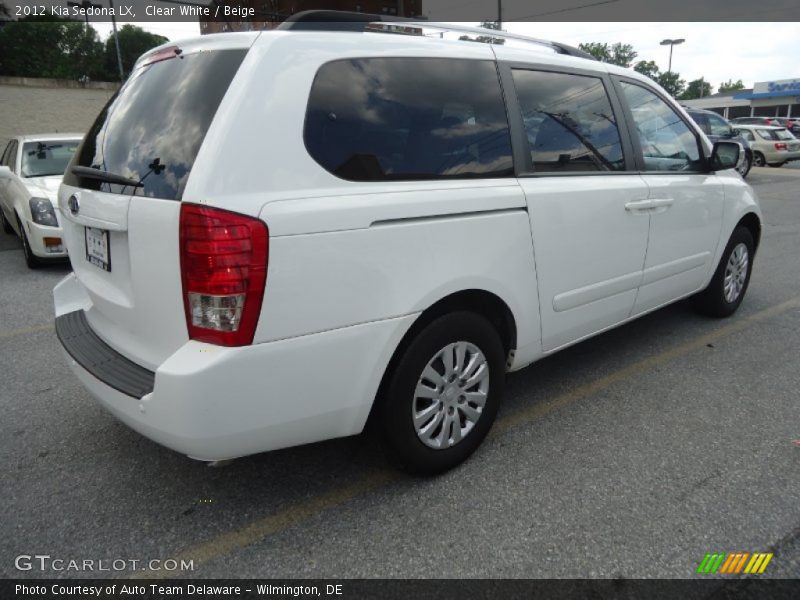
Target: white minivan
[{"x": 279, "y": 237}]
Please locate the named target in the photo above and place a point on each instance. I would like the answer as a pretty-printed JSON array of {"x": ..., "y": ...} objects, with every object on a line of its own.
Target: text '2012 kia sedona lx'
[{"x": 277, "y": 235}]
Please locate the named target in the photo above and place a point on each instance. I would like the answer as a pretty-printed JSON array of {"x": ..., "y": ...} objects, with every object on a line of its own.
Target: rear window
[
  {"x": 152, "y": 129},
  {"x": 377, "y": 119}
]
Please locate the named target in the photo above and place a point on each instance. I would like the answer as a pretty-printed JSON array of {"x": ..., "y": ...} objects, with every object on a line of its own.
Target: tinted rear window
[
  {"x": 379, "y": 119},
  {"x": 152, "y": 129}
]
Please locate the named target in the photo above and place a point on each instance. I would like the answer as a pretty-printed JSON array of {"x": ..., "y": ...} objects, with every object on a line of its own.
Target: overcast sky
[{"x": 717, "y": 51}]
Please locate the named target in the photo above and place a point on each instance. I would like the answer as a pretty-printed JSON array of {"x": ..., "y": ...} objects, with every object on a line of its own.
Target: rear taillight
[
  {"x": 780, "y": 146},
  {"x": 224, "y": 258}
]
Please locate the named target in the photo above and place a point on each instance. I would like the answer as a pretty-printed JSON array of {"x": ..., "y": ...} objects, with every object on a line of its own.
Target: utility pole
[{"x": 499, "y": 15}]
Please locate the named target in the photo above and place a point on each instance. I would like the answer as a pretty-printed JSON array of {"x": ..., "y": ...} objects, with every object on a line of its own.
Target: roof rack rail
[{"x": 335, "y": 20}]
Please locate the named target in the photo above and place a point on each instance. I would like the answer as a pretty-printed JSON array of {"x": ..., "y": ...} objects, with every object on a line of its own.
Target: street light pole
[
  {"x": 116, "y": 41},
  {"x": 671, "y": 43}
]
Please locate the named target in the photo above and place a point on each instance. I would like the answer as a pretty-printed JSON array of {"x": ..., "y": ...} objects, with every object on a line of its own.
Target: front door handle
[
  {"x": 639, "y": 205},
  {"x": 659, "y": 205}
]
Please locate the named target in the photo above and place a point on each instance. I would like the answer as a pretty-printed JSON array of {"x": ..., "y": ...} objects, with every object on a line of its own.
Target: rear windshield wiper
[{"x": 92, "y": 173}]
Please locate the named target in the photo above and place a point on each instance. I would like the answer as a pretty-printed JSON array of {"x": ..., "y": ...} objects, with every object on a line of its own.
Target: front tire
[
  {"x": 747, "y": 164},
  {"x": 31, "y": 259},
  {"x": 441, "y": 398},
  {"x": 728, "y": 286}
]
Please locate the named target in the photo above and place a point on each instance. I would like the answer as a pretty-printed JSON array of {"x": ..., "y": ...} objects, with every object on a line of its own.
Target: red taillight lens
[
  {"x": 780, "y": 146},
  {"x": 224, "y": 257}
]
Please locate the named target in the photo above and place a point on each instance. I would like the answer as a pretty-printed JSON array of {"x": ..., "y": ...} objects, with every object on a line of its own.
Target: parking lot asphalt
[{"x": 629, "y": 455}]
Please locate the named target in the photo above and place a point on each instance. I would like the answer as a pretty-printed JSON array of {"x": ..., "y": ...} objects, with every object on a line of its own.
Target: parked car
[
  {"x": 791, "y": 124},
  {"x": 717, "y": 128},
  {"x": 271, "y": 253},
  {"x": 773, "y": 146},
  {"x": 31, "y": 168}
]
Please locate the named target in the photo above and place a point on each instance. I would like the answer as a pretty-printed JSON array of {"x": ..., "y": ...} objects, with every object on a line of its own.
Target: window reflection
[
  {"x": 152, "y": 129},
  {"x": 408, "y": 118},
  {"x": 667, "y": 142},
  {"x": 569, "y": 122}
]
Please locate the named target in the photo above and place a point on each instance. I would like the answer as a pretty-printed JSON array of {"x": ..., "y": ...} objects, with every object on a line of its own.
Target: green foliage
[
  {"x": 672, "y": 82},
  {"x": 731, "y": 86},
  {"x": 65, "y": 49},
  {"x": 616, "y": 54},
  {"x": 649, "y": 68},
  {"x": 698, "y": 88},
  {"x": 61, "y": 49}
]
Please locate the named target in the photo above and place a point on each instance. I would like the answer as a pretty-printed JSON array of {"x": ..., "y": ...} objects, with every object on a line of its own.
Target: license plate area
[{"x": 98, "y": 250}]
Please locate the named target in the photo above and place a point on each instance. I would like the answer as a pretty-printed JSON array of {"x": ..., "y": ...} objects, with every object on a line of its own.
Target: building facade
[
  {"x": 766, "y": 99},
  {"x": 270, "y": 13}
]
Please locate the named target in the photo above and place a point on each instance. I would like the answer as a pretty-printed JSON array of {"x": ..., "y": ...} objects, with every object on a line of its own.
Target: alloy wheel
[{"x": 736, "y": 273}]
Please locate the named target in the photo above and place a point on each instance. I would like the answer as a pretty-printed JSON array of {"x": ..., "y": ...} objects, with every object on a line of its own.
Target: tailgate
[{"x": 121, "y": 196}]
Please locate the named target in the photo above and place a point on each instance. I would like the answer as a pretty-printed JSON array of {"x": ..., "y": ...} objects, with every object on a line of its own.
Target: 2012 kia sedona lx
[{"x": 277, "y": 235}]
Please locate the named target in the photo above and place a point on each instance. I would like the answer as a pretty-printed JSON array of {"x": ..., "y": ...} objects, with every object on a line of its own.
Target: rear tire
[
  {"x": 759, "y": 160},
  {"x": 728, "y": 286},
  {"x": 31, "y": 259},
  {"x": 442, "y": 396}
]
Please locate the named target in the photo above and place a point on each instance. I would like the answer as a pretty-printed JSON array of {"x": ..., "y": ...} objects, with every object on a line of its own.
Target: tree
[
  {"x": 698, "y": 88},
  {"x": 731, "y": 86},
  {"x": 616, "y": 54},
  {"x": 648, "y": 68},
  {"x": 57, "y": 48},
  {"x": 672, "y": 82},
  {"x": 133, "y": 42}
]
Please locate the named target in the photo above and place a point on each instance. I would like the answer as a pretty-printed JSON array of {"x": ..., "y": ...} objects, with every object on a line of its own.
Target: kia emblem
[{"x": 73, "y": 204}]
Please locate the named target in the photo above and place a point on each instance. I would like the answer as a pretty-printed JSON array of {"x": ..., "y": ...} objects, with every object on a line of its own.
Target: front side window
[
  {"x": 376, "y": 119},
  {"x": 667, "y": 143},
  {"x": 569, "y": 122},
  {"x": 12, "y": 156},
  {"x": 718, "y": 126},
  {"x": 5, "y": 161},
  {"x": 40, "y": 159}
]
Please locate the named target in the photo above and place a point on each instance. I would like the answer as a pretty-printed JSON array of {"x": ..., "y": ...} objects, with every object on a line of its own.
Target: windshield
[
  {"x": 40, "y": 159},
  {"x": 152, "y": 129}
]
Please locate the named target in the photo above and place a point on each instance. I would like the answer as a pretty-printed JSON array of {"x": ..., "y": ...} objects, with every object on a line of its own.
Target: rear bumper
[{"x": 215, "y": 403}]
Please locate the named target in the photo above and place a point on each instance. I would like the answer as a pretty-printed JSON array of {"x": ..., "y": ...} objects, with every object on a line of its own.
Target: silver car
[{"x": 773, "y": 146}]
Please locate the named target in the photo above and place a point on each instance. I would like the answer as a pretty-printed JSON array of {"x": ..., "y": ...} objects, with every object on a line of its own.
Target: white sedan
[{"x": 31, "y": 169}]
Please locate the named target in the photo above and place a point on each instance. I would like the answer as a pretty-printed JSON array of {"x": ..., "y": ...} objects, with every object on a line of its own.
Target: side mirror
[
  {"x": 725, "y": 155},
  {"x": 5, "y": 173}
]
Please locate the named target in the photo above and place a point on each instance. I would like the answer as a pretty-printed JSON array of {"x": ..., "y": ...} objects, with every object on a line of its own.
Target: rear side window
[
  {"x": 378, "y": 119},
  {"x": 152, "y": 129},
  {"x": 569, "y": 122}
]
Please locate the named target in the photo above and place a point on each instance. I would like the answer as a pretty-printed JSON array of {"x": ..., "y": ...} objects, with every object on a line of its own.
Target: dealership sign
[{"x": 783, "y": 85}]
